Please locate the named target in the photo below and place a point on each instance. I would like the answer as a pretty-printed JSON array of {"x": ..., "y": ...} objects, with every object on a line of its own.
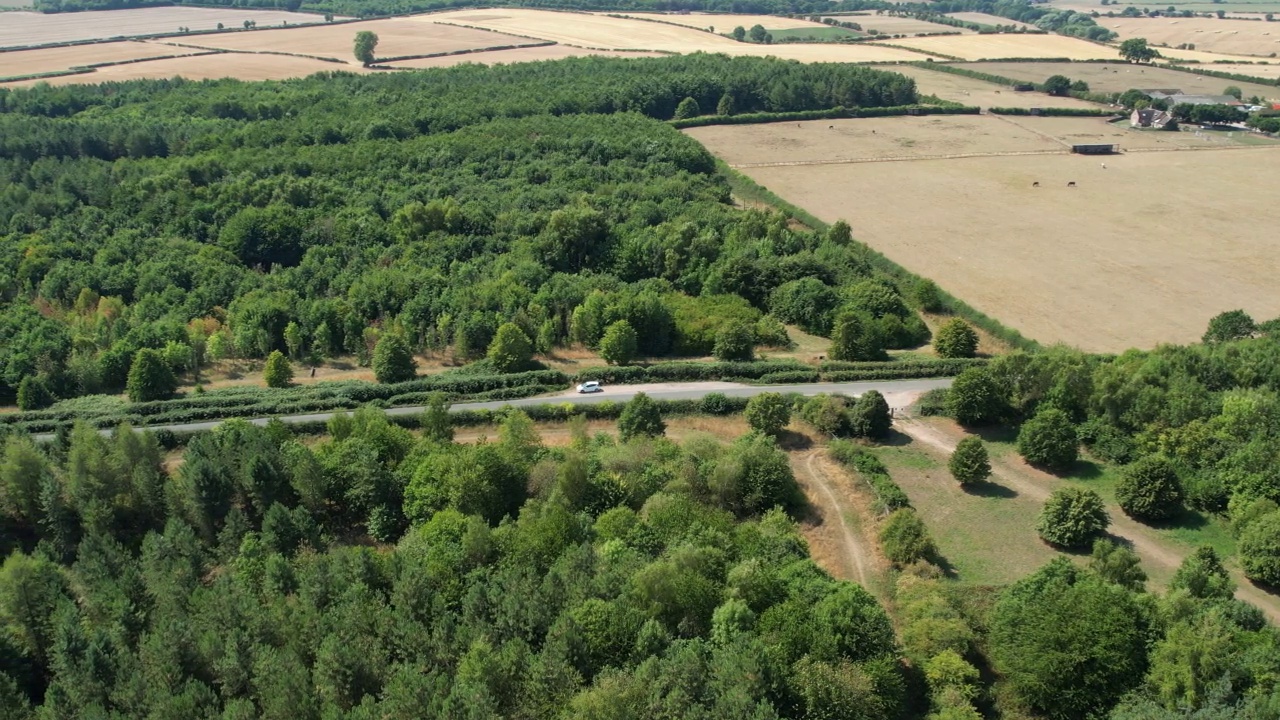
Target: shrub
[
  {"x": 905, "y": 538},
  {"x": 1149, "y": 489},
  {"x": 768, "y": 413},
  {"x": 956, "y": 339},
  {"x": 34, "y": 393},
  {"x": 854, "y": 337},
  {"x": 770, "y": 332},
  {"x": 869, "y": 416},
  {"x": 150, "y": 377},
  {"x": 1049, "y": 440},
  {"x": 828, "y": 414},
  {"x": 933, "y": 402},
  {"x": 278, "y": 372},
  {"x": 1072, "y": 517},
  {"x": 511, "y": 349},
  {"x": 716, "y": 404},
  {"x": 392, "y": 360},
  {"x": 688, "y": 108},
  {"x": 735, "y": 341},
  {"x": 969, "y": 463},
  {"x": 1260, "y": 550},
  {"x": 619, "y": 344},
  {"x": 640, "y": 418},
  {"x": 888, "y": 494},
  {"x": 974, "y": 398},
  {"x": 807, "y": 302},
  {"x": 1230, "y": 325}
]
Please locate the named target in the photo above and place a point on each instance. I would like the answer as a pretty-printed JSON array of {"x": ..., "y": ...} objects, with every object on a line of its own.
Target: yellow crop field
[
  {"x": 1269, "y": 71},
  {"x": 990, "y": 47},
  {"x": 985, "y": 19},
  {"x": 515, "y": 55},
  {"x": 30, "y": 62},
  {"x": 203, "y": 67},
  {"x": 396, "y": 38},
  {"x": 1118, "y": 77},
  {"x": 1232, "y": 37},
  {"x": 723, "y": 23},
  {"x": 610, "y": 33},
  {"x": 23, "y": 29},
  {"x": 894, "y": 25}
]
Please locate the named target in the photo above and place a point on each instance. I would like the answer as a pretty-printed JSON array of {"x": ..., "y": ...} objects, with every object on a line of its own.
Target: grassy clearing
[{"x": 814, "y": 34}]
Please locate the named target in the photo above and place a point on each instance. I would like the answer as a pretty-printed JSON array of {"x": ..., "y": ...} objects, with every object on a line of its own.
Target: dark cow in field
[{"x": 1071, "y": 184}]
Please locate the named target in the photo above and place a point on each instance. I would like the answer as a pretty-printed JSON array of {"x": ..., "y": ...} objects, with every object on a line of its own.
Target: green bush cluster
[{"x": 889, "y": 495}]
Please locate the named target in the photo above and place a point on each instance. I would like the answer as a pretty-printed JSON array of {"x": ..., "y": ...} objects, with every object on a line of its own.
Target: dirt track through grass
[{"x": 816, "y": 477}]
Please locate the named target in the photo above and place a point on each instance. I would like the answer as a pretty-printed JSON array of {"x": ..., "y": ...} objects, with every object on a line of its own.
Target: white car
[{"x": 591, "y": 386}]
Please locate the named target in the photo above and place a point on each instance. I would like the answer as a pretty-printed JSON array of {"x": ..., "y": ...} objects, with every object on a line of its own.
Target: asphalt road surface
[{"x": 899, "y": 393}]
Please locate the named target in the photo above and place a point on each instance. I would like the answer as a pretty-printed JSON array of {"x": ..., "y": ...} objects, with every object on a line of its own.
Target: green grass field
[{"x": 825, "y": 34}]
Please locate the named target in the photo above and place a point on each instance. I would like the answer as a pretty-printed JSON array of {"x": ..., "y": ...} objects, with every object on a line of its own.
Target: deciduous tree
[
  {"x": 956, "y": 339},
  {"x": 365, "y": 45},
  {"x": 974, "y": 398},
  {"x": 1149, "y": 489},
  {"x": 969, "y": 463},
  {"x": 278, "y": 372},
  {"x": 1049, "y": 440},
  {"x": 150, "y": 377},
  {"x": 1072, "y": 517},
  {"x": 392, "y": 360},
  {"x": 768, "y": 413},
  {"x": 619, "y": 344},
  {"x": 511, "y": 350},
  {"x": 640, "y": 418}
]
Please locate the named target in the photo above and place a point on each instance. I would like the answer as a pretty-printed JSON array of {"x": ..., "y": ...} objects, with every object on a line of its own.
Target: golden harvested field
[
  {"x": 1097, "y": 131},
  {"x": 504, "y": 57},
  {"x": 30, "y": 62},
  {"x": 980, "y": 47},
  {"x": 1119, "y": 261},
  {"x": 599, "y": 31},
  {"x": 969, "y": 91},
  {"x": 833, "y": 141},
  {"x": 1105, "y": 77},
  {"x": 723, "y": 23},
  {"x": 1234, "y": 37},
  {"x": 396, "y": 38},
  {"x": 20, "y": 29},
  {"x": 893, "y": 25},
  {"x": 1270, "y": 70},
  {"x": 203, "y": 67},
  {"x": 985, "y": 19}
]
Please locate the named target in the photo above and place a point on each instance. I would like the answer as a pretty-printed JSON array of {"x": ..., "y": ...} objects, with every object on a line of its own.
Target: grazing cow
[
  {"x": 831, "y": 127},
  {"x": 1035, "y": 184},
  {"x": 1071, "y": 184},
  {"x": 797, "y": 124}
]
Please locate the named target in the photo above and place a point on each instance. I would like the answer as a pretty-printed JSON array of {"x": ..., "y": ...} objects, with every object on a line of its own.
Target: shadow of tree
[
  {"x": 792, "y": 440},
  {"x": 986, "y": 488}
]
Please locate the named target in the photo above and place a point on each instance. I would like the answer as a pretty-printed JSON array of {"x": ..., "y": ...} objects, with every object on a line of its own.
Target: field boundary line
[
  {"x": 895, "y": 158},
  {"x": 1046, "y": 136}
]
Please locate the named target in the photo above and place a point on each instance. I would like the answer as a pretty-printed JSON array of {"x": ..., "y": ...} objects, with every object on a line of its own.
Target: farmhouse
[
  {"x": 1150, "y": 118},
  {"x": 1181, "y": 99}
]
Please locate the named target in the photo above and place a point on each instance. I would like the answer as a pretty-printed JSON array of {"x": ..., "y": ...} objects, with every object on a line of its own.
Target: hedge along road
[{"x": 898, "y": 393}]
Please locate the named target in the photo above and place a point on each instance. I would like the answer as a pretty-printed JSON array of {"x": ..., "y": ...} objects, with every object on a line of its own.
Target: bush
[
  {"x": 1149, "y": 489},
  {"x": 1049, "y": 440},
  {"x": 278, "y": 372},
  {"x": 1072, "y": 517},
  {"x": 905, "y": 538},
  {"x": 956, "y": 339},
  {"x": 34, "y": 393},
  {"x": 770, "y": 332},
  {"x": 889, "y": 496},
  {"x": 969, "y": 463},
  {"x": 150, "y": 377},
  {"x": 1230, "y": 325},
  {"x": 870, "y": 417},
  {"x": 828, "y": 414},
  {"x": 392, "y": 360},
  {"x": 619, "y": 344},
  {"x": 854, "y": 337},
  {"x": 735, "y": 341},
  {"x": 768, "y": 413},
  {"x": 511, "y": 349},
  {"x": 716, "y": 404},
  {"x": 933, "y": 402},
  {"x": 1260, "y": 550},
  {"x": 640, "y": 418},
  {"x": 974, "y": 398}
]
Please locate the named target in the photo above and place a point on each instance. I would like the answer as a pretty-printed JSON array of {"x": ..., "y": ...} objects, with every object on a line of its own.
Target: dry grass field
[
  {"x": 981, "y": 47},
  {"x": 203, "y": 67},
  {"x": 30, "y": 62},
  {"x": 1105, "y": 77},
  {"x": 1270, "y": 70},
  {"x": 893, "y": 25},
  {"x": 516, "y": 55},
  {"x": 969, "y": 91},
  {"x": 723, "y": 23},
  {"x": 1142, "y": 252},
  {"x": 985, "y": 19},
  {"x": 396, "y": 38},
  {"x": 22, "y": 29},
  {"x": 599, "y": 31},
  {"x": 1233, "y": 37},
  {"x": 1097, "y": 131}
]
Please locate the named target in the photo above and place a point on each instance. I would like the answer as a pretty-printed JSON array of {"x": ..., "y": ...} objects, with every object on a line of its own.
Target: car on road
[{"x": 591, "y": 386}]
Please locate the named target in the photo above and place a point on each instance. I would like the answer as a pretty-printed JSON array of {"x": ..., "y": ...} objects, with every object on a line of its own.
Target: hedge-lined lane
[{"x": 670, "y": 391}]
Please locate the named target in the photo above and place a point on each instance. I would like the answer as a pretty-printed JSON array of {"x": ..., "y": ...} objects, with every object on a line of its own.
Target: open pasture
[
  {"x": 1119, "y": 77},
  {"x": 1116, "y": 262},
  {"x": 985, "y": 19},
  {"x": 1097, "y": 131},
  {"x": 723, "y": 23},
  {"x": 610, "y": 33},
  {"x": 1233, "y": 37},
  {"x": 982, "y": 47},
  {"x": 1232, "y": 7},
  {"x": 23, "y": 29},
  {"x": 515, "y": 55},
  {"x": 396, "y": 38},
  {"x": 31, "y": 62},
  {"x": 894, "y": 25},
  {"x": 961, "y": 89},
  {"x": 203, "y": 67},
  {"x": 1269, "y": 71}
]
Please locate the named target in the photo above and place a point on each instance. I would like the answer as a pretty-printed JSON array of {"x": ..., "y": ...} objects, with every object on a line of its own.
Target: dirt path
[
  {"x": 835, "y": 544},
  {"x": 1038, "y": 485}
]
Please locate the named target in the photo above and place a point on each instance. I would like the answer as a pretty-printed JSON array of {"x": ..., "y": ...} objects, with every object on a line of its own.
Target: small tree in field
[
  {"x": 511, "y": 350},
  {"x": 688, "y": 108},
  {"x": 956, "y": 340},
  {"x": 365, "y": 45},
  {"x": 969, "y": 463},
  {"x": 1072, "y": 517},
  {"x": 905, "y": 538},
  {"x": 975, "y": 398},
  {"x": 735, "y": 341},
  {"x": 726, "y": 105},
  {"x": 768, "y": 413},
  {"x": 1137, "y": 50},
  {"x": 34, "y": 393},
  {"x": 1057, "y": 85},
  {"x": 435, "y": 420},
  {"x": 640, "y": 418},
  {"x": 870, "y": 416},
  {"x": 740, "y": 33},
  {"x": 1260, "y": 550},
  {"x": 1049, "y": 440},
  {"x": 619, "y": 344},
  {"x": 278, "y": 373},
  {"x": 1230, "y": 325},
  {"x": 1149, "y": 489},
  {"x": 150, "y": 377},
  {"x": 392, "y": 360}
]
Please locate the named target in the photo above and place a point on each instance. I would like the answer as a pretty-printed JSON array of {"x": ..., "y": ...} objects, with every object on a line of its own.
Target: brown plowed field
[
  {"x": 203, "y": 67},
  {"x": 18, "y": 29},
  {"x": 515, "y": 55},
  {"x": 30, "y": 62},
  {"x": 1141, "y": 252},
  {"x": 398, "y": 37}
]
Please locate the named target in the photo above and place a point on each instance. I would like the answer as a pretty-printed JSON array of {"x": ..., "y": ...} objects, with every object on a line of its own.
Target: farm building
[
  {"x": 1150, "y": 118},
  {"x": 1181, "y": 99},
  {"x": 1095, "y": 149}
]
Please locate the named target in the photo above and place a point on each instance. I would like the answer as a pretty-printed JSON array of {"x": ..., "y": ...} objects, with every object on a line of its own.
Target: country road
[{"x": 899, "y": 393}]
